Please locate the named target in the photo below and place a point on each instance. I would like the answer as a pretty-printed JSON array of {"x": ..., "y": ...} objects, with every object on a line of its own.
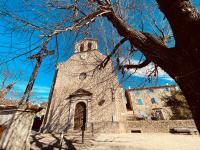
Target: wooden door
[{"x": 80, "y": 116}]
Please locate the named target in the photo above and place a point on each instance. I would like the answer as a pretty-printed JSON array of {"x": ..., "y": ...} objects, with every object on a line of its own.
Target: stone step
[{"x": 130, "y": 117}]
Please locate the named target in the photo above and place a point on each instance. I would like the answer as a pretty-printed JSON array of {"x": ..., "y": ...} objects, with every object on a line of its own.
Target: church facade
[{"x": 84, "y": 95}]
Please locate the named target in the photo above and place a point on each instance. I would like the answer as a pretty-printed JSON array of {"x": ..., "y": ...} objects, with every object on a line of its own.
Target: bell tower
[{"x": 86, "y": 45}]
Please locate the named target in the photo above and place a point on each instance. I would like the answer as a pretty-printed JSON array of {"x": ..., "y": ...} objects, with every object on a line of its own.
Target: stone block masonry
[
  {"x": 16, "y": 125},
  {"x": 162, "y": 126}
]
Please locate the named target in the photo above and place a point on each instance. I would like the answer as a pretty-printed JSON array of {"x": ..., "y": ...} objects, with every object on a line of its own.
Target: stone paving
[{"x": 132, "y": 141}]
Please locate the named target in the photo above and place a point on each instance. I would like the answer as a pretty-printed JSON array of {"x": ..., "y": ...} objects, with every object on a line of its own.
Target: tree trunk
[
  {"x": 190, "y": 86},
  {"x": 182, "y": 62},
  {"x": 185, "y": 23}
]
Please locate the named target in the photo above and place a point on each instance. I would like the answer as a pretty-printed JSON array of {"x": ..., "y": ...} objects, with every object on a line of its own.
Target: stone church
[{"x": 82, "y": 95}]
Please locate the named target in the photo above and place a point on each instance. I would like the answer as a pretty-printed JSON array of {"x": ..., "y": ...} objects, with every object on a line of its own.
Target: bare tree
[
  {"x": 8, "y": 80},
  {"x": 6, "y": 75}
]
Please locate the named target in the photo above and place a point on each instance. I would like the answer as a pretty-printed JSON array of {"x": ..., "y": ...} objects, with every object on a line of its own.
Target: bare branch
[
  {"x": 131, "y": 66},
  {"x": 25, "y": 22},
  {"x": 84, "y": 20},
  {"x": 15, "y": 57},
  {"x": 107, "y": 59}
]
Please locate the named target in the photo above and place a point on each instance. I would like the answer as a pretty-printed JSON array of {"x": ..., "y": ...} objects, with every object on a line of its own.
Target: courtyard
[{"x": 127, "y": 141}]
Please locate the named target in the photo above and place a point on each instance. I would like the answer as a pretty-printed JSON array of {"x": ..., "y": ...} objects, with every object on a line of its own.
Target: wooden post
[
  {"x": 61, "y": 140},
  {"x": 31, "y": 82},
  {"x": 39, "y": 57}
]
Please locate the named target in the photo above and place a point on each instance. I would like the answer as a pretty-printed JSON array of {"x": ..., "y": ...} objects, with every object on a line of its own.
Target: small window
[
  {"x": 159, "y": 115},
  {"x": 139, "y": 101},
  {"x": 81, "y": 47},
  {"x": 100, "y": 103},
  {"x": 82, "y": 76},
  {"x": 114, "y": 118},
  {"x": 154, "y": 100},
  {"x": 166, "y": 89},
  {"x": 89, "y": 46},
  {"x": 142, "y": 114},
  {"x": 151, "y": 90},
  {"x": 136, "y": 92}
]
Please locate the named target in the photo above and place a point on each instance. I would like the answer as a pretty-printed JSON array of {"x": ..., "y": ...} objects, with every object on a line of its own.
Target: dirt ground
[
  {"x": 148, "y": 141},
  {"x": 132, "y": 141}
]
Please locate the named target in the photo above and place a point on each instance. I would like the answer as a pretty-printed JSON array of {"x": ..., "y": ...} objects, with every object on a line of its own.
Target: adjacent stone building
[
  {"x": 84, "y": 94},
  {"x": 147, "y": 102}
]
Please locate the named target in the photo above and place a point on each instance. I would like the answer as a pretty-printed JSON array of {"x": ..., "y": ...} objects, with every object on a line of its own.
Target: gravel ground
[
  {"x": 148, "y": 141},
  {"x": 134, "y": 141}
]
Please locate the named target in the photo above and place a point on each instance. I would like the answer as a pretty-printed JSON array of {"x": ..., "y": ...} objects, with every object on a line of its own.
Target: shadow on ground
[{"x": 51, "y": 142}]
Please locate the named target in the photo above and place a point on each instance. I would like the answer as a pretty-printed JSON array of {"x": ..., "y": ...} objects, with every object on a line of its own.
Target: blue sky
[{"x": 13, "y": 44}]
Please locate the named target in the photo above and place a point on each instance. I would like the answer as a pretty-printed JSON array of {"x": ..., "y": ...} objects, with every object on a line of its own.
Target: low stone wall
[
  {"x": 162, "y": 126},
  {"x": 106, "y": 127},
  {"x": 17, "y": 126}
]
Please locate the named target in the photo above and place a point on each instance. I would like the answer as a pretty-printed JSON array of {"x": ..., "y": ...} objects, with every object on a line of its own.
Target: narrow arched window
[
  {"x": 81, "y": 47},
  {"x": 89, "y": 46}
]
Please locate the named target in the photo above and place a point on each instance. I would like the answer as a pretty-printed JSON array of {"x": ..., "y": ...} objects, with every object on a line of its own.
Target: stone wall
[
  {"x": 17, "y": 124},
  {"x": 106, "y": 127},
  {"x": 104, "y": 103},
  {"x": 151, "y": 100},
  {"x": 163, "y": 126}
]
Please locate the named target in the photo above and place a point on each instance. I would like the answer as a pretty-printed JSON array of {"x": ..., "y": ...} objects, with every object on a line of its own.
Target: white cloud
[
  {"x": 39, "y": 93},
  {"x": 41, "y": 89},
  {"x": 143, "y": 72},
  {"x": 36, "y": 89}
]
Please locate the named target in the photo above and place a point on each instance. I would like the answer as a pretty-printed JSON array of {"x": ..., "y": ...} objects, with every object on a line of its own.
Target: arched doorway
[{"x": 80, "y": 115}]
